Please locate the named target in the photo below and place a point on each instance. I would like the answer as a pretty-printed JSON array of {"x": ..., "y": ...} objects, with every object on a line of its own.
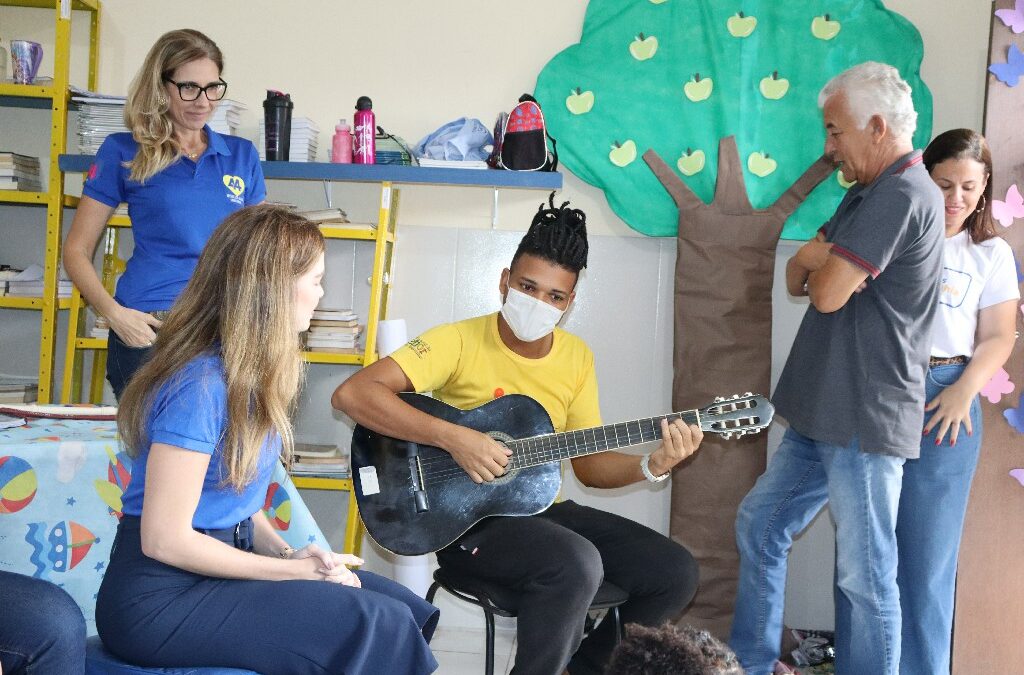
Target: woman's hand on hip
[
  {"x": 952, "y": 408},
  {"x": 135, "y": 328}
]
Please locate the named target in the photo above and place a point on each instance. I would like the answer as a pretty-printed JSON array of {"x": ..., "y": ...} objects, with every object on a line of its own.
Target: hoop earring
[{"x": 981, "y": 207}]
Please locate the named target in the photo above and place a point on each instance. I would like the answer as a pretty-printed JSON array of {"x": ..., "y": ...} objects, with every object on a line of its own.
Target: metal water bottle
[{"x": 363, "y": 144}]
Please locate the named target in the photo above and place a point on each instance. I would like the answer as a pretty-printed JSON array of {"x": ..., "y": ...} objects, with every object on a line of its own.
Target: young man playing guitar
[{"x": 557, "y": 558}]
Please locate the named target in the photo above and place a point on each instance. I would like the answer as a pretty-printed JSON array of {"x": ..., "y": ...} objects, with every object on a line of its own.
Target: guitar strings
[{"x": 542, "y": 453}]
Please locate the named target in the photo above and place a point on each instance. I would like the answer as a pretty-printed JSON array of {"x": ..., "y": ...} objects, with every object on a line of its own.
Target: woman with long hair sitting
[{"x": 197, "y": 575}]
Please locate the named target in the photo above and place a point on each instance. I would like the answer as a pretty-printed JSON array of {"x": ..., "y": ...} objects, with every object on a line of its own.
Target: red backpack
[{"x": 520, "y": 139}]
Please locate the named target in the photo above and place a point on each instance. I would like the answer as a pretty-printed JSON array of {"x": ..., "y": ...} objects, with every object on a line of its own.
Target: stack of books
[
  {"x": 303, "y": 144},
  {"x": 18, "y": 392},
  {"x": 19, "y": 172},
  {"x": 100, "y": 327},
  {"x": 99, "y": 115},
  {"x": 334, "y": 330},
  {"x": 29, "y": 283},
  {"x": 320, "y": 460},
  {"x": 227, "y": 117},
  {"x": 392, "y": 149}
]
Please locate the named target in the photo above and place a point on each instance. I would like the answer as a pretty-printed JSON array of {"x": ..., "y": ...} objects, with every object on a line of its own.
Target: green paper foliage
[{"x": 678, "y": 75}]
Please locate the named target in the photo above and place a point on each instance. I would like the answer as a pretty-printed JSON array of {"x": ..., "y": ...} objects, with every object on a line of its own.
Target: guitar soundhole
[{"x": 504, "y": 439}]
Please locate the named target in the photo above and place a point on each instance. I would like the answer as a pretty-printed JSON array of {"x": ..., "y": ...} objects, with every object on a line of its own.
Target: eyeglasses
[{"x": 190, "y": 91}]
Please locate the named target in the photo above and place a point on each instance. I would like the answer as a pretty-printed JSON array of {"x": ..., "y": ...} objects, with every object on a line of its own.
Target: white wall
[{"x": 424, "y": 64}]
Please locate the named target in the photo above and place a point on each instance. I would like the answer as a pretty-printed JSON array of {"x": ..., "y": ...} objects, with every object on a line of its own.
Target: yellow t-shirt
[{"x": 466, "y": 365}]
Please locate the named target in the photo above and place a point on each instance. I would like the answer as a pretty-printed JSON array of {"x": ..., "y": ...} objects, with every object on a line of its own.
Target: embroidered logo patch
[
  {"x": 236, "y": 186},
  {"x": 419, "y": 347}
]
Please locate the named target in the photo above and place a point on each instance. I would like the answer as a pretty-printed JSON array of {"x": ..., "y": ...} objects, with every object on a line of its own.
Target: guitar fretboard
[{"x": 566, "y": 445}]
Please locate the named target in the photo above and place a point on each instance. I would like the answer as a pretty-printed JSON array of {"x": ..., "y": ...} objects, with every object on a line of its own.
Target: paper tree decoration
[{"x": 677, "y": 76}]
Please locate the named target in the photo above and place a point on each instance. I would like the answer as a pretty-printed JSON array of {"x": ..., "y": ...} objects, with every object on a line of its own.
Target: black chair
[{"x": 499, "y": 600}]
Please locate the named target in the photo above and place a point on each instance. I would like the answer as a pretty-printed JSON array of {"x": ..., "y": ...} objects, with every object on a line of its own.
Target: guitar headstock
[{"x": 737, "y": 415}]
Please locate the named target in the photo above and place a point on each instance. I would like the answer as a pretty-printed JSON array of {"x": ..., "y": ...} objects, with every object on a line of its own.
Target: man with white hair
[{"x": 853, "y": 389}]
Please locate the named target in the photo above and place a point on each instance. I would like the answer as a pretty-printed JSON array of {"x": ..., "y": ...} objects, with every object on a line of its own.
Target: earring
[{"x": 981, "y": 207}]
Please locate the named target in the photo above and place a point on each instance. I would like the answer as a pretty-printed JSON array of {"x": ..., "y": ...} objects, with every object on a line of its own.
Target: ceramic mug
[{"x": 25, "y": 59}]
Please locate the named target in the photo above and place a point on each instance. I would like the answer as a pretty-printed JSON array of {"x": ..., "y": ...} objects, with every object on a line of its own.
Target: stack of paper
[
  {"x": 18, "y": 392},
  {"x": 19, "y": 172},
  {"x": 99, "y": 115},
  {"x": 303, "y": 144},
  {"x": 319, "y": 460},
  {"x": 29, "y": 283},
  {"x": 333, "y": 330},
  {"x": 326, "y": 216},
  {"x": 391, "y": 149},
  {"x": 453, "y": 163},
  {"x": 227, "y": 117}
]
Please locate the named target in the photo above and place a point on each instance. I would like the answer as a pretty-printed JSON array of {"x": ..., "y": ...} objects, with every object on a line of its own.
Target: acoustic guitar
[{"x": 416, "y": 499}]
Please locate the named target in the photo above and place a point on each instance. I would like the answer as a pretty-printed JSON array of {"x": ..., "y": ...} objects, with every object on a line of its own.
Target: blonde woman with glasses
[
  {"x": 197, "y": 575},
  {"x": 179, "y": 178}
]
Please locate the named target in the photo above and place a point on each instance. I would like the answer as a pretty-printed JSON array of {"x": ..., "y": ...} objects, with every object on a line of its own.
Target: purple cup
[{"x": 25, "y": 58}]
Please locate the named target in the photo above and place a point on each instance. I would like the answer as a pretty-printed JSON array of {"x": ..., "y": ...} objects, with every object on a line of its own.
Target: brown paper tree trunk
[
  {"x": 723, "y": 345},
  {"x": 989, "y": 617}
]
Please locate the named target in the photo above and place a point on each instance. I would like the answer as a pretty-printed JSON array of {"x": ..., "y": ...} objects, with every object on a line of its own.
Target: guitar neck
[{"x": 566, "y": 445}]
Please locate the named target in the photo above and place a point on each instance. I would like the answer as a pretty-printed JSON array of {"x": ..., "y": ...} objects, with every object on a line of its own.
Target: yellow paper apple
[
  {"x": 845, "y": 184},
  {"x": 698, "y": 89},
  {"x": 658, "y": 2},
  {"x": 773, "y": 86},
  {"x": 643, "y": 48},
  {"x": 622, "y": 154},
  {"x": 740, "y": 25},
  {"x": 761, "y": 164},
  {"x": 579, "y": 102},
  {"x": 691, "y": 162},
  {"x": 824, "y": 28}
]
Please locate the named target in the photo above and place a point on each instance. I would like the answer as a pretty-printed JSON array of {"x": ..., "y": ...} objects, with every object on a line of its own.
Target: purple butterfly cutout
[
  {"x": 1009, "y": 73},
  {"x": 1018, "y": 474},
  {"x": 1013, "y": 18},
  {"x": 1015, "y": 416},
  {"x": 1012, "y": 207}
]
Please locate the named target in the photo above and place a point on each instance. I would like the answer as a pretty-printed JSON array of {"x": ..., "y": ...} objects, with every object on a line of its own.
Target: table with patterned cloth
[{"x": 61, "y": 482}]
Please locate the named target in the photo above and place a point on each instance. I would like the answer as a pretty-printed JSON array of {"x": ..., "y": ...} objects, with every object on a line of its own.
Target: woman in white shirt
[{"x": 971, "y": 340}]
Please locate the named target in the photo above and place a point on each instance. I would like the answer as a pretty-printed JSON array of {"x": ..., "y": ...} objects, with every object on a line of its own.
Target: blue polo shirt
[
  {"x": 174, "y": 212},
  {"x": 190, "y": 411}
]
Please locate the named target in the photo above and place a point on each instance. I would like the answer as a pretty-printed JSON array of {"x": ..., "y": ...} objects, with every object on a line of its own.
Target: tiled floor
[{"x": 461, "y": 652}]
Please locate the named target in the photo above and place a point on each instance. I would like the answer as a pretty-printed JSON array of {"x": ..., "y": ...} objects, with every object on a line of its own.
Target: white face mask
[{"x": 529, "y": 318}]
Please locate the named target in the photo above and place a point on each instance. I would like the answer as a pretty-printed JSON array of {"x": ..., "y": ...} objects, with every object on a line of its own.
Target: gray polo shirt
[{"x": 859, "y": 373}]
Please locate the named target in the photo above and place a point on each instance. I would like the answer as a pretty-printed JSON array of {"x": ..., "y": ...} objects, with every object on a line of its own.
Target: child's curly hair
[{"x": 671, "y": 651}]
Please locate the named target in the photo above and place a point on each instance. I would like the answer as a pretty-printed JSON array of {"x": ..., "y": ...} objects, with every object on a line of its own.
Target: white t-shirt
[{"x": 974, "y": 276}]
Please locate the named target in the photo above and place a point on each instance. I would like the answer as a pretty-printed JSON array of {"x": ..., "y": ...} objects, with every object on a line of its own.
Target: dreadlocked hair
[{"x": 557, "y": 234}]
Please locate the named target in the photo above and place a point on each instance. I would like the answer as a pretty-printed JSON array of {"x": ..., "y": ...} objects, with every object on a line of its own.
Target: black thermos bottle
[{"x": 277, "y": 113}]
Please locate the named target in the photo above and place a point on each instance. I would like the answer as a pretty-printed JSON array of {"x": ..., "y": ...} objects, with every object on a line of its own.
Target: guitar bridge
[{"x": 419, "y": 492}]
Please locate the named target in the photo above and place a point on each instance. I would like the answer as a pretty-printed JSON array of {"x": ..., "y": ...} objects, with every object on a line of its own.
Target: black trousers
[{"x": 557, "y": 560}]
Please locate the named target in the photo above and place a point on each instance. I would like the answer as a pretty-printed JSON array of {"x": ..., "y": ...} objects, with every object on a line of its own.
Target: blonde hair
[
  {"x": 239, "y": 304},
  {"x": 146, "y": 111}
]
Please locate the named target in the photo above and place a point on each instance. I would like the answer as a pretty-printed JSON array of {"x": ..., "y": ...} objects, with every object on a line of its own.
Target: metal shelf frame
[{"x": 53, "y": 96}]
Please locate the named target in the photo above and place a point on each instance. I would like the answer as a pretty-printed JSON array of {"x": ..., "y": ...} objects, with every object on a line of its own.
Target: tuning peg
[
  {"x": 735, "y": 396},
  {"x": 719, "y": 399},
  {"x": 727, "y": 435},
  {"x": 748, "y": 394}
]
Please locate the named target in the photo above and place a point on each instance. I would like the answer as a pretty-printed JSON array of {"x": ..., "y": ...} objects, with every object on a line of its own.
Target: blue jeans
[
  {"x": 931, "y": 520},
  {"x": 42, "y": 630},
  {"x": 863, "y": 491}
]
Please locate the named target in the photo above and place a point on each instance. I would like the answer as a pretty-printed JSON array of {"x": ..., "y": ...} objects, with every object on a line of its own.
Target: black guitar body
[{"x": 415, "y": 499}]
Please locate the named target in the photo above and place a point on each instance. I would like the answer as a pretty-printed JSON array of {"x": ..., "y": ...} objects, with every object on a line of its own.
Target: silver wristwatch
[{"x": 645, "y": 467}]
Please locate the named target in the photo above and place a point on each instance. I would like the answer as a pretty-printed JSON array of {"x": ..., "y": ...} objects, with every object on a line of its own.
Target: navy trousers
[
  {"x": 122, "y": 362},
  {"x": 153, "y": 614}
]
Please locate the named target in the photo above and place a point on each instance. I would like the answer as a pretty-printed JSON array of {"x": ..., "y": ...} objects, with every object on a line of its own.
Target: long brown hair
[
  {"x": 239, "y": 304},
  {"x": 145, "y": 113},
  {"x": 967, "y": 144}
]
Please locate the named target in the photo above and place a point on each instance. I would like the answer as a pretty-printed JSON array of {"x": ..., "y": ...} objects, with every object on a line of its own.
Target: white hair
[{"x": 874, "y": 88}]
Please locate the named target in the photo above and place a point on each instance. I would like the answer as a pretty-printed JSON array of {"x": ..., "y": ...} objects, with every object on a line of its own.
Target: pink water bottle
[
  {"x": 363, "y": 145},
  {"x": 341, "y": 144}
]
